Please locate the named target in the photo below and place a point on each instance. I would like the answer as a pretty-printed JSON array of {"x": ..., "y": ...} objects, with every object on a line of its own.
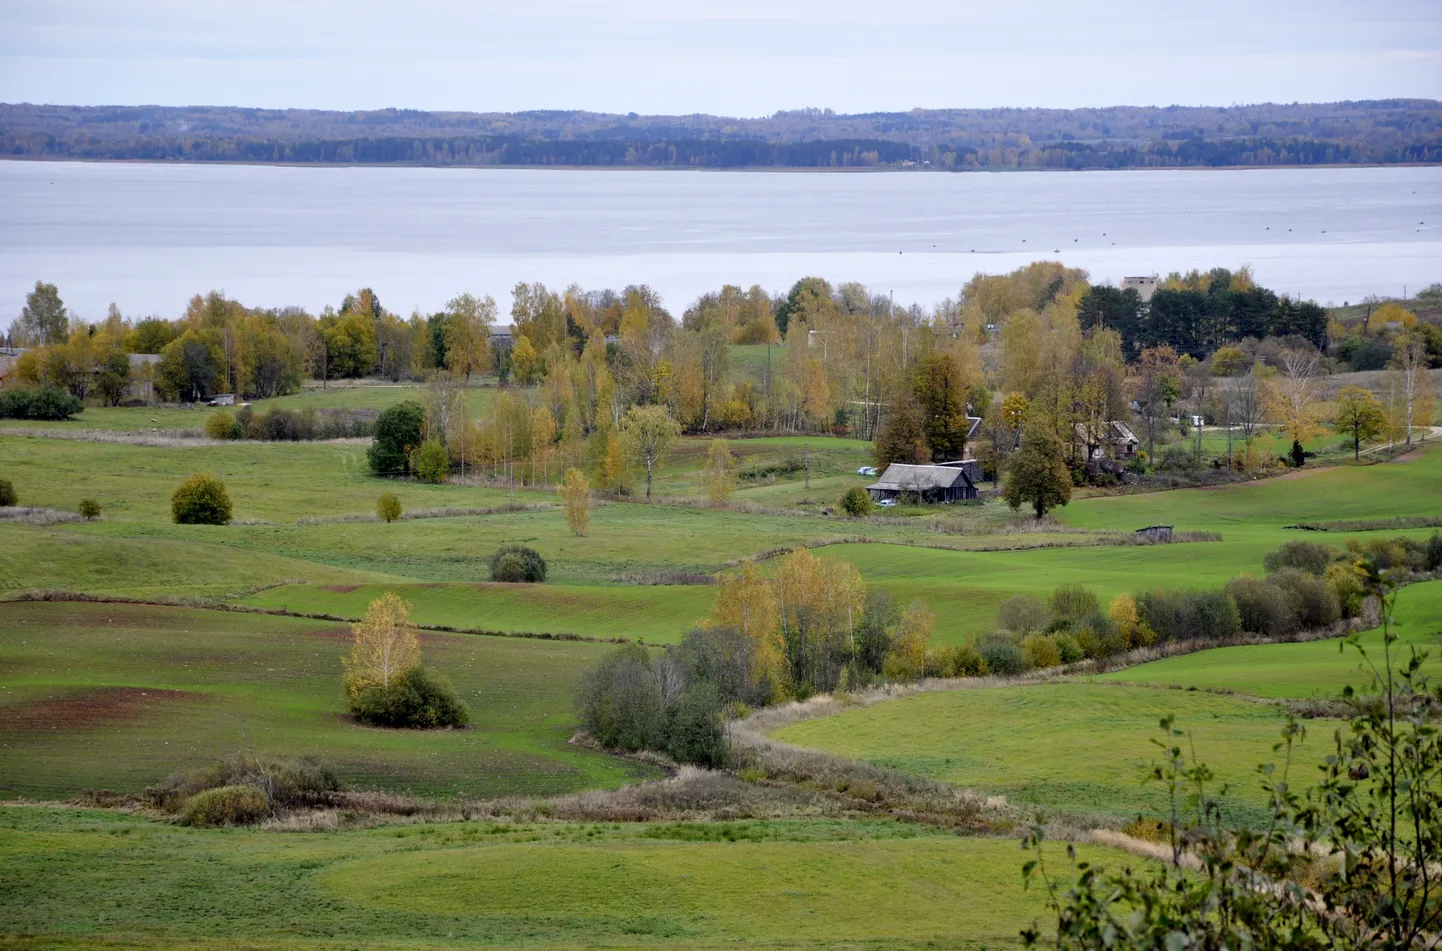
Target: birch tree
[{"x": 386, "y": 646}]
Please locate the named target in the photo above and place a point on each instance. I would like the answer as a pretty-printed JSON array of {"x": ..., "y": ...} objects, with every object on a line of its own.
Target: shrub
[
  {"x": 388, "y": 507},
  {"x": 225, "y": 806},
  {"x": 958, "y": 660},
  {"x": 1070, "y": 603},
  {"x": 89, "y": 509},
  {"x": 200, "y": 500},
  {"x": 397, "y": 435},
  {"x": 1434, "y": 552},
  {"x": 432, "y": 461},
  {"x": 695, "y": 727},
  {"x": 1003, "y": 658},
  {"x": 1314, "y": 603},
  {"x": 1039, "y": 651},
  {"x": 619, "y": 700},
  {"x": 43, "y": 403},
  {"x": 1023, "y": 613},
  {"x": 518, "y": 563},
  {"x": 223, "y": 425},
  {"x": 417, "y": 699},
  {"x": 856, "y": 502},
  {"x": 1306, "y": 556},
  {"x": 1068, "y": 648},
  {"x": 1188, "y": 615},
  {"x": 1263, "y": 607},
  {"x": 7, "y": 493},
  {"x": 724, "y": 657}
]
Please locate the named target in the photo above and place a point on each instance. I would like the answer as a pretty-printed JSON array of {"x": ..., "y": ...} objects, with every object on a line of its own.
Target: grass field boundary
[
  {"x": 1394, "y": 523},
  {"x": 1096, "y": 539},
  {"x": 206, "y": 604},
  {"x": 448, "y": 511}
]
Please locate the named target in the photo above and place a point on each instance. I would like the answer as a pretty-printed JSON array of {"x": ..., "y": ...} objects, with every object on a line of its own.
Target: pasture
[
  {"x": 75, "y": 878},
  {"x": 1070, "y": 747},
  {"x": 118, "y": 696}
]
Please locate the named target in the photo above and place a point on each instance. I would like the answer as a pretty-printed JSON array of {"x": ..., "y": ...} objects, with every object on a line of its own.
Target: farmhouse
[
  {"x": 1112, "y": 440},
  {"x": 944, "y": 482}
]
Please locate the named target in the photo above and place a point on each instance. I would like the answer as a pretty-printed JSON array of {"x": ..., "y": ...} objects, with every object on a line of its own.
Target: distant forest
[{"x": 1375, "y": 132}]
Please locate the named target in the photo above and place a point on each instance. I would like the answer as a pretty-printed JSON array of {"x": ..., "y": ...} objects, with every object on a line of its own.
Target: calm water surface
[{"x": 149, "y": 236}]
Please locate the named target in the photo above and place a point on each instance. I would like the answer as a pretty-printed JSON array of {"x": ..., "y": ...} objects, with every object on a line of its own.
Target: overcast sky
[{"x": 730, "y": 57}]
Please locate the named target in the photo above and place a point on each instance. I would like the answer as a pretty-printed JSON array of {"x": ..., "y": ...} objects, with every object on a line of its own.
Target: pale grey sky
[{"x": 730, "y": 57}]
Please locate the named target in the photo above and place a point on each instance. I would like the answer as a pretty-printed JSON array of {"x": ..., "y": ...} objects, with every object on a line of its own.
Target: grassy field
[
  {"x": 84, "y": 879},
  {"x": 1074, "y": 747},
  {"x": 115, "y": 696}
]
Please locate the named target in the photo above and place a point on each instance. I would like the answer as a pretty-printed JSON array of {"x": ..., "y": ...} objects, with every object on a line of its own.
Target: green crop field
[
  {"x": 117, "y": 696},
  {"x": 74, "y": 878},
  {"x": 1078, "y": 748}
]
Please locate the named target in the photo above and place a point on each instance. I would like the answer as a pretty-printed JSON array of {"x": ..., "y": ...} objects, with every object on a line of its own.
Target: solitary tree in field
[
  {"x": 575, "y": 494},
  {"x": 720, "y": 471},
  {"x": 1037, "y": 475},
  {"x": 1359, "y": 416},
  {"x": 386, "y": 646},
  {"x": 648, "y": 432},
  {"x": 388, "y": 507}
]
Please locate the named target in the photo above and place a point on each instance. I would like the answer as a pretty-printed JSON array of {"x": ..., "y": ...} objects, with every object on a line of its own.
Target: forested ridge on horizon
[{"x": 1372, "y": 132}]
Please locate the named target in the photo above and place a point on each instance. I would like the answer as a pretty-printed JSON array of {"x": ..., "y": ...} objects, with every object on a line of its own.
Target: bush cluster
[
  {"x": 417, "y": 699},
  {"x": 518, "y": 564},
  {"x": 632, "y": 701},
  {"x": 7, "y": 494},
  {"x": 41, "y": 403},
  {"x": 243, "y": 789},
  {"x": 281, "y": 425}
]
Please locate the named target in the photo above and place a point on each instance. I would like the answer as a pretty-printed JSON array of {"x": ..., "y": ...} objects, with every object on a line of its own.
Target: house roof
[
  {"x": 905, "y": 478},
  {"x": 1120, "y": 432}
]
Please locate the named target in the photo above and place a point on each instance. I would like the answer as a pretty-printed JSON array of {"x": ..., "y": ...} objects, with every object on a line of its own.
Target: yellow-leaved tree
[
  {"x": 1124, "y": 614},
  {"x": 575, "y": 493},
  {"x": 720, "y": 471},
  {"x": 386, "y": 646},
  {"x": 907, "y": 658},
  {"x": 746, "y": 602}
]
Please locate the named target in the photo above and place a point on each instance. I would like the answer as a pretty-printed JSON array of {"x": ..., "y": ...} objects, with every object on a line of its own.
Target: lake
[{"x": 148, "y": 236}]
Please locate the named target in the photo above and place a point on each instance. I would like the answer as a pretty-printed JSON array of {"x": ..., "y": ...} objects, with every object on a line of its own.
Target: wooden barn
[{"x": 947, "y": 482}]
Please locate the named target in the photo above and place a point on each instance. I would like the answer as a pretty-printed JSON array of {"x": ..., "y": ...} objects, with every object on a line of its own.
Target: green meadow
[
  {"x": 1079, "y": 748},
  {"x": 77, "y": 878},
  {"x": 118, "y": 696}
]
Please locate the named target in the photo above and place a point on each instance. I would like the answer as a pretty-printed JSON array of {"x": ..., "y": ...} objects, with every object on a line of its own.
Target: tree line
[{"x": 1386, "y": 131}]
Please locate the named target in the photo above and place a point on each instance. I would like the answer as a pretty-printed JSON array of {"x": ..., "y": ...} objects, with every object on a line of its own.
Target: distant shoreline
[{"x": 789, "y": 169}]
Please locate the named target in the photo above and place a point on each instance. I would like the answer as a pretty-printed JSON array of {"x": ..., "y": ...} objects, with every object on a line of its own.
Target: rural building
[
  {"x": 1144, "y": 286},
  {"x": 1156, "y": 533},
  {"x": 944, "y": 482},
  {"x": 1111, "y": 440}
]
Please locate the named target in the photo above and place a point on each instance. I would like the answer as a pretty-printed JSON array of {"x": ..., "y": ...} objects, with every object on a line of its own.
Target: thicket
[
  {"x": 518, "y": 563},
  {"x": 632, "y": 701},
  {"x": 243, "y": 789},
  {"x": 41, "y": 403},
  {"x": 282, "y": 425}
]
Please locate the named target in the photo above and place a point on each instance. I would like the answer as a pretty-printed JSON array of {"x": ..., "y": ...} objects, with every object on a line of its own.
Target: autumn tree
[
  {"x": 648, "y": 432},
  {"x": 1291, "y": 396},
  {"x": 746, "y": 602},
  {"x": 467, "y": 334},
  {"x": 575, "y": 492},
  {"x": 820, "y": 604},
  {"x": 1358, "y": 416},
  {"x": 720, "y": 471},
  {"x": 525, "y": 362},
  {"x": 1037, "y": 474},
  {"x": 1157, "y": 386},
  {"x": 907, "y": 658},
  {"x": 386, "y": 645},
  {"x": 1408, "y": 379}
]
